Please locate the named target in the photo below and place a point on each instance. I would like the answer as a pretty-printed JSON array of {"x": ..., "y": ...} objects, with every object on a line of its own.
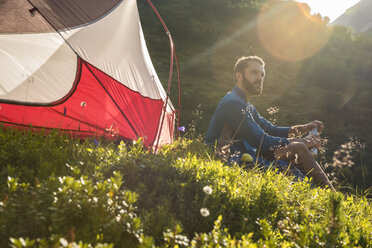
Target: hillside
[
  {"x": 332, "y": 83},
  {"x": 358, "y": 17},
  {"x": 57, "y": 191}
]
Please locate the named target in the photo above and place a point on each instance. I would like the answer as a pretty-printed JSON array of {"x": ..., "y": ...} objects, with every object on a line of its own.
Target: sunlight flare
[{"x": 293, "y": 36}]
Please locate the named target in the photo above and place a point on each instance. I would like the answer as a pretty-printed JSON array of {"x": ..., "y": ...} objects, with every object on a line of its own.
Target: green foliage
[
  {"x": 50, "y": 185},
  {"x": 56, "y": 191},
  {"x": 54, "y": 242},
  {"x": 84, "y": 209},
  {"x": 127, "y": 196}
]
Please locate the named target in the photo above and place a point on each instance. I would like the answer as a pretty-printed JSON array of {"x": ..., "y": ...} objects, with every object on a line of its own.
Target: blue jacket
[{"x": 252, "y": 130}]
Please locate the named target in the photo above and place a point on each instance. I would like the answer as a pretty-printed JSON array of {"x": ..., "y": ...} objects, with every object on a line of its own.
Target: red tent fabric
[{"x": 91, "y": 76}]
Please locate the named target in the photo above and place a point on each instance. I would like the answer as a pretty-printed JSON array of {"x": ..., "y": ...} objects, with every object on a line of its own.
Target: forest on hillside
[{"x": 313, "y": 70}]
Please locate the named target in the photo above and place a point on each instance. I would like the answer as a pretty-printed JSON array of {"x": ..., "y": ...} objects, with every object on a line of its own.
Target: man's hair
[{"x": 243, "y": 63}]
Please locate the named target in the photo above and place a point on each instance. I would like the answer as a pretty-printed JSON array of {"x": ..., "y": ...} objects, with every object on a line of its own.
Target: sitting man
[{"x": 238, "y": 121}]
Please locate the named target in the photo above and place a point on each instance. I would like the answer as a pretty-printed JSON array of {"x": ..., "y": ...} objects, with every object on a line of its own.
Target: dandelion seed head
[
  {"x": 204, "y": 212},
  {"x": 207, "y": 190}
]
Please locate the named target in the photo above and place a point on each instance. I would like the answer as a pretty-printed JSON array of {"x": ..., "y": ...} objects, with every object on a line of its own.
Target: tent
[{"x": 81, "y": 66}]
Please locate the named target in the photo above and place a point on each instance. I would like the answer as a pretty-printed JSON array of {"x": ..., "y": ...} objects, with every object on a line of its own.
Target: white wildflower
[
  {"x": 204, "y": 212},
  {"x": 207, "y": 190},
  {"x": 63, "y": 242}
]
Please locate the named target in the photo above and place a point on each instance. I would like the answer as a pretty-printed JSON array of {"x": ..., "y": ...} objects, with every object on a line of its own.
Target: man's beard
[{"x": 250, "y": 88}]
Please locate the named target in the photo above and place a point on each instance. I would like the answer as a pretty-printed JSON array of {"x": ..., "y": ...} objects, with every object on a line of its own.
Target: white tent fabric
[
  {"x": 125, "y": 52},
  {"x": 40, "y": 68},
  {"x": 35, "y": 68}
]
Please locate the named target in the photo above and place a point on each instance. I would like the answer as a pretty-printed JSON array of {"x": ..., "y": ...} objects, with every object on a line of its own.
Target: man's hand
[
  {"x": 300, "y": 130},
  {"x": 310, "y": 141},
  {"x": 315, "y": 124}
]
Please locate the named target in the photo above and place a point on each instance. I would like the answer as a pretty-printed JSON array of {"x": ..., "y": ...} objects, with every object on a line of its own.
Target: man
[{"x": 237, "y": 121}]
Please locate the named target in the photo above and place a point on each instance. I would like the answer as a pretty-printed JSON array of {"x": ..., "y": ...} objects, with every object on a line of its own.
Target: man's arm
[
  {"x": 270, "y": 128},
  {"x": 246, "y": 128},
  {"x": 294, "y": 131}
]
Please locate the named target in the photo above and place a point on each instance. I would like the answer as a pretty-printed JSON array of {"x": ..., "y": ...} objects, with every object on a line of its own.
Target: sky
[{"x": 330, "y": 8}]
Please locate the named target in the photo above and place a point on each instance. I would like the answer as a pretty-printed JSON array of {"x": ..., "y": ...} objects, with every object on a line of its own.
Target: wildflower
[
  {"x": 356, "y": 144},
  {"x": 248, "y": 110},
  {"x": 96, "y": 142},
  {"x": 63, "y": 242},
  {"x": 204, "y": 212},
  {"x": 343, "y": 157},
  {"x": 182, "y": 129},
  {"x": 207, "y": 190},
  {"x": 273, "y": 110},
  {"x": 113, "y": 131}
]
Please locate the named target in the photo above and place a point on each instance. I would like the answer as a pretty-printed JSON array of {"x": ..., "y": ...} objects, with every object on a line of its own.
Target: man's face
[{"x": 253, "y": 78}]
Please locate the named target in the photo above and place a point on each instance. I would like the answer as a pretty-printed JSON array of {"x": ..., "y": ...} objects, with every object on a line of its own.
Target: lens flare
[{"x": 289, "y": 32}]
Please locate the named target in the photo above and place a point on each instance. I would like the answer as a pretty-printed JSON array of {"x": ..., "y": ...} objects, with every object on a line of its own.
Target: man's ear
[{"x": 238, "y": 77}]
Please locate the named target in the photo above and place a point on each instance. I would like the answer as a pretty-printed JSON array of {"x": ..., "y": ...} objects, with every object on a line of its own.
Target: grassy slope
[
  {"x": 333, "y": 86},
  {"x": 60, "y": 189}
]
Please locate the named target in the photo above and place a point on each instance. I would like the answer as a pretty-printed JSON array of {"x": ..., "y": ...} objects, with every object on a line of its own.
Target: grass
[{"x": 57, "y": 191}]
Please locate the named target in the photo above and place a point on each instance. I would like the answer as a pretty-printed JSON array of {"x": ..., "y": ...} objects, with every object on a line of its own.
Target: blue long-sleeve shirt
[{"x": 249, "y": 126}]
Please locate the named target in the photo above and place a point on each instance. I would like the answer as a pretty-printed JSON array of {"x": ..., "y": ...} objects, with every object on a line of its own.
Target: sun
[{"x": 330, "y": 8}]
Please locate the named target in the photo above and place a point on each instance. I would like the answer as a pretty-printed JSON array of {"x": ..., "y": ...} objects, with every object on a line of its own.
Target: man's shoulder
[
  {"x": 229, "y": 105},
  {"x": 232, "y": 98}
]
